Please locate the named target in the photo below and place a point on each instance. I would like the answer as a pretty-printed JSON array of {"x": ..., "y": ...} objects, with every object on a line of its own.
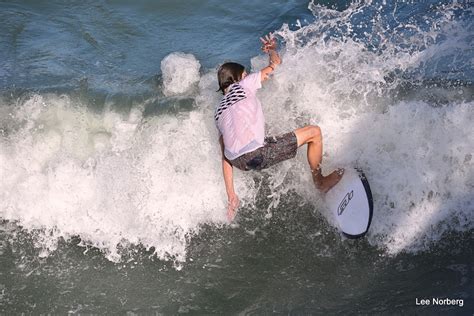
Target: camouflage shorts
[{"x": 275, "y": 149}]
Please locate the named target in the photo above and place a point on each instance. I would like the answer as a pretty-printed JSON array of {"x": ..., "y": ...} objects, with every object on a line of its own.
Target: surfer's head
[{"x": 229, "y": 73}]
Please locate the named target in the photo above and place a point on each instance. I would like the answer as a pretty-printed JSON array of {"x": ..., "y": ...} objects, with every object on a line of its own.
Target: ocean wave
[{"x": 120, "y": 177}]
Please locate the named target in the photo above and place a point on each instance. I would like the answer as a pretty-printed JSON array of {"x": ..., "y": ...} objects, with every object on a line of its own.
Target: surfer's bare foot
[{"x": 324, "y": 184}]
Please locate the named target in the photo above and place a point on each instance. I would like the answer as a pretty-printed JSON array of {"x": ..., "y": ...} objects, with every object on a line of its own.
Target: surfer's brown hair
[{"x": 228, "y": 74}]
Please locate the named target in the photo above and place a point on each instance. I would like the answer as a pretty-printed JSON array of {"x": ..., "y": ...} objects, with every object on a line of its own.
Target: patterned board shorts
[{"x": 275, "y": 149}]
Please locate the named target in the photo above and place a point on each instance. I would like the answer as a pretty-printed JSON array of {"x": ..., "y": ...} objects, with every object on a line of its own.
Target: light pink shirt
[{"x": 239, "y": 117}]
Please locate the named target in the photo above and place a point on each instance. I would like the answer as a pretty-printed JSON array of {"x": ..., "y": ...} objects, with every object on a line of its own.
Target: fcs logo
[{"x": 345, "y": 201}]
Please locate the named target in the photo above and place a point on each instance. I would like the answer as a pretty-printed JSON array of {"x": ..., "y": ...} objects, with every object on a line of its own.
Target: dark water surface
[{"x": 285, "y": 267}]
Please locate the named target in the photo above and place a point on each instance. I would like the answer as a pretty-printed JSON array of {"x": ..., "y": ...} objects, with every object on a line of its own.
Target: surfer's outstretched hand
[
  {"x": 268, "y": 43},
  {"x": 232, "y": 206}
]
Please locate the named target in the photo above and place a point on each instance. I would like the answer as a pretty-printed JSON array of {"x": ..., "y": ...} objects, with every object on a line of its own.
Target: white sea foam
[
  {"x": 111, "y": 179},
  {"x": 417, "y": 154},
  {"x": 180, "y": 71},
  {"x": 116, "y": 179}
]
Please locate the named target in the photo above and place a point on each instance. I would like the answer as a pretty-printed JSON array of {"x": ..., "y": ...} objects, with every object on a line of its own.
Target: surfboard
[{"x": 350, "y": 202}]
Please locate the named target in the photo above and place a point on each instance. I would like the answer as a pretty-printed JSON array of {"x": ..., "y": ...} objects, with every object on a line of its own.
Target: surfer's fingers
[
  {"x": 231, "y": 211},
  {"x": 267, "y": 38},
  {"x": 265, "y": 42},
  {"x": 271, "y": 38}
]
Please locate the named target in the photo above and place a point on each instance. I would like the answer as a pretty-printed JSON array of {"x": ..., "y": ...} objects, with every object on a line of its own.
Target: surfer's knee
[
  {"x": 308, "y": 134},
  {"x": 315, "y": 132}
]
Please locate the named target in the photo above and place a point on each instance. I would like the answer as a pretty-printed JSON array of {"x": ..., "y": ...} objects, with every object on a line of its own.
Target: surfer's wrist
[
  {"x": 274, "y": 59},
  {"x": 231, "y": 195}
]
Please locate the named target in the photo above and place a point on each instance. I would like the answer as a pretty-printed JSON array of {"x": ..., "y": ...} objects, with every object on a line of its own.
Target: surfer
[{"x": 240, "y": 121}]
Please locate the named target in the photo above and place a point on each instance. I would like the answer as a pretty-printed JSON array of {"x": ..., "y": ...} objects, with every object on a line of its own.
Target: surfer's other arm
[
  {"x": 269, "y": 46},
  {"x": 227, "y": 170}
]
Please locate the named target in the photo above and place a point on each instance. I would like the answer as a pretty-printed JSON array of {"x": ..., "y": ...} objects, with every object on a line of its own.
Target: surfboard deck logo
[{"x": 345, "y": 201}]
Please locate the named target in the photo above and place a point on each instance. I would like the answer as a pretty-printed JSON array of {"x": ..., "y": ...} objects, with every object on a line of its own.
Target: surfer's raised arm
[
  {"x": 240, "y": 121},
  {"x": 269, "y": 46}
]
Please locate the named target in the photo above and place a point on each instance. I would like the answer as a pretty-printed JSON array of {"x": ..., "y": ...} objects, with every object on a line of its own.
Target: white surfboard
[{"x": 350, "y": 202}]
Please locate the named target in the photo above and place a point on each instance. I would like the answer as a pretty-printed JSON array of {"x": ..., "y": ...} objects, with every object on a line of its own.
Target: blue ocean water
[
  {"x": 111, "y": 195},
  {"x": 120, "y": 44}
]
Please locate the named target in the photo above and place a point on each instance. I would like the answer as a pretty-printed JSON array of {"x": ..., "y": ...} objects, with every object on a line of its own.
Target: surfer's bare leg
[{"x": 312, "y": 136}]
